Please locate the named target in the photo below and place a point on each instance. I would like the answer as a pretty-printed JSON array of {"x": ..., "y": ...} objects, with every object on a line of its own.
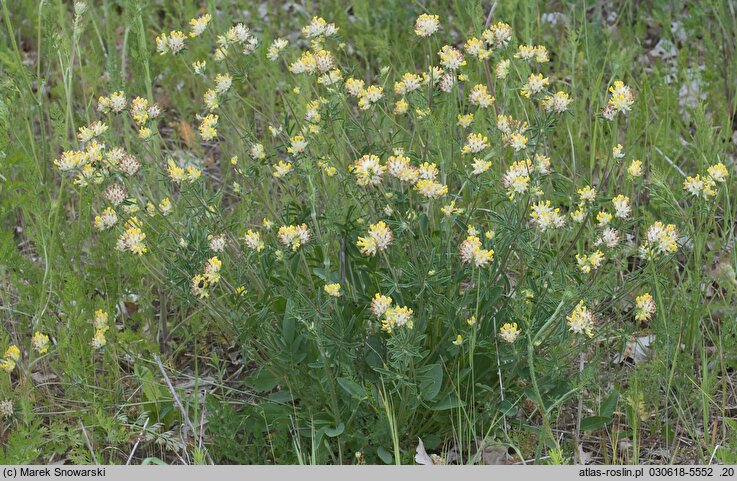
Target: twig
[
  {"x": 533, "y": 460},
  {"x": 486, "y": 63},
  {"x": 713, "y": 454},
  {"x": 579, "y": 415},
  {"x": 499, "y": 371},
  {"x": 342, "y": 260},
  {"x": 179, "y": 404},
  {"x": 202, "y": 421},
  {"x": 491, "y": 14},
  {"x": 671, "y": 162},
  {"x": 89, "y": 444},
  {"x": 138, "y": 441},
  {"x": 183, "y": 433}
]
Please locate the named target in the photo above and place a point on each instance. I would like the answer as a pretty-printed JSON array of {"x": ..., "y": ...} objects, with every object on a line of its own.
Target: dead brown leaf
[
  {"x": 492, "y": 455},
  {"x": 187, "y": 133}
]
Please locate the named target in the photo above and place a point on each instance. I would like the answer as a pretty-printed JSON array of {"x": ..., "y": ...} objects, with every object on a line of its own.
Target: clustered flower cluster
[
  {"x": 39, "y": 343},
  {"x": 581, "y": 320},
  {"x": 396, "y": 170},
  {"x": 392, "y": 316},
  {"x": 10, "y": 358},
  {"x": 210, "y": 277},
  {"x": 705, "y": 187},
  {"x": 100, "y": 321}
]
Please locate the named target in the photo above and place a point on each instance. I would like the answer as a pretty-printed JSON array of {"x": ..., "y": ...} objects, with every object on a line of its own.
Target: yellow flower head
[
  {"x": 380, "y": 236},
  {"x": 294, "y": 236},
  {"x": 426, "y": 25},
  {"x": 557, "y": 103},
  {"x": 718, "y": 172},
  {"x": 534, "y": 85},
  {"x": 253, "y": 240},
  {"x": 199, "y": 24},
  {"x": 659, "y": 239},
  {"x": 395, "y": 317},
  {"x": 635, "y": 169},
  {"x": 98, "y": 340},
  {"x": 332, "y": 289},
  {"x": 644, "y": 307},
  {"x": 40, "y": 342},
  {"x": 100, "y": 320},
  {"x": 368, "y": 170},
  {"x": 581, "y": 320},
  {"x": 509, "y": 332},
  {"x": 380, "y": 304}
]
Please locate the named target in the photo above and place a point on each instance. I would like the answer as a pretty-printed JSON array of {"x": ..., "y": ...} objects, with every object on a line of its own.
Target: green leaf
[
  {"x": 153, "y": 460},
  {"x": 288, "y": 323},
  {"x": 610, "y": 404},
  {"x": 336, "y": 431},
  {"x": 281, "y": 397},
  {"x": 593, "y": 423},
  {"x": 262, "y": 381},
  {"x": 353, "y": 388},
  {"x": 324, "y": 276},
  {"x": 431, "y": 380},
  {"x": 606, "y": 412},
  {"x": 385, "y": 455},
  {"x": 508, "y": 408},
  {"x": 450, "y": 401},
  {"x": 294, "y": 265}
]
